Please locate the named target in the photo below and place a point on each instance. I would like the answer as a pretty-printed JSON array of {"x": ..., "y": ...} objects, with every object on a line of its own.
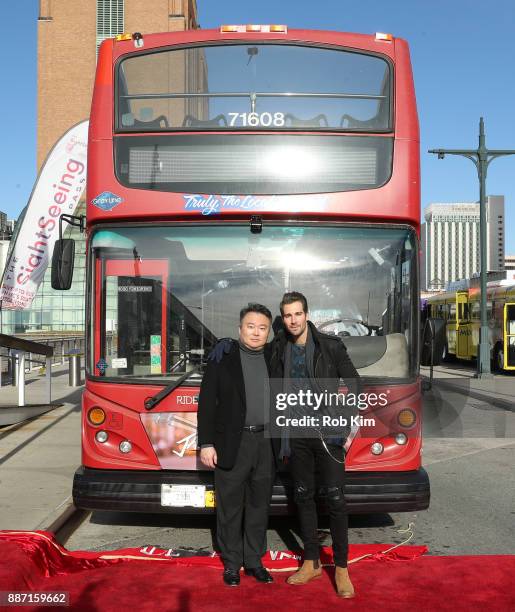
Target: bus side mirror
[
  {"x": 63, "y": 259},
  {"x": 433, "y": 342}
]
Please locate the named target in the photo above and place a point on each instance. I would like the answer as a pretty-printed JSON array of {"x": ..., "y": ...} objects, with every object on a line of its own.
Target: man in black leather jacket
[{"x": 308, "y": 360}]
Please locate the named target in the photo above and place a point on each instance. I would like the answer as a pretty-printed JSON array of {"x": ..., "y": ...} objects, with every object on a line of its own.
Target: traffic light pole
[{"x": 481, "y": 157}]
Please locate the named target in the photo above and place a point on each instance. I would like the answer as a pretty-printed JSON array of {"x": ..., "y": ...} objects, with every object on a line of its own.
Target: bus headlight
[
  {"x": 406, "y": 417},
  {"x": 376, "y": 448},
  {"x": 96, "y": 416},
  {"x": 125, "y": 446},
  {"x": 401, "y": 438},
  {"x": 101, "y": 436}
]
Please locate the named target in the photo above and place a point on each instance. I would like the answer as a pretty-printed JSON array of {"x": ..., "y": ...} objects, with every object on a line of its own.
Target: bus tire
[
  {"x": 446, "y": 356},
  {"x": 498, "y": 358}
]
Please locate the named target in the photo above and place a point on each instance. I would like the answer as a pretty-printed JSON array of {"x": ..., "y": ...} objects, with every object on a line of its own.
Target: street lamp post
[{"x": 481, "y": 158}]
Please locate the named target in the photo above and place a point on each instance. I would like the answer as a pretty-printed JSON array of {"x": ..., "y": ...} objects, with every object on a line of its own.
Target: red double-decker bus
[{"x": 228, "y": 167}]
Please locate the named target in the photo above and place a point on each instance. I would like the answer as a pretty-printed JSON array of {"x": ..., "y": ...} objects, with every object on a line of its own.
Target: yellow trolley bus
[{"x": 461, "y": 312}]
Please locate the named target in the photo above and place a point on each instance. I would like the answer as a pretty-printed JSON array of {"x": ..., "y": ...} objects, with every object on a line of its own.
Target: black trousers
[
  {"x": 243, "y": 496},
  {"x": 315, "y": 471}
]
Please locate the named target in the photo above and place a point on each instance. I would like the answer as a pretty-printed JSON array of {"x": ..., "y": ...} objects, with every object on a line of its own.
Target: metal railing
[{"x": 17, "y": 357}]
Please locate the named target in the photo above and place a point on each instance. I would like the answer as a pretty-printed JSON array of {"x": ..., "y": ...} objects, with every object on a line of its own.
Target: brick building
[{"x": 69, "y": 34}]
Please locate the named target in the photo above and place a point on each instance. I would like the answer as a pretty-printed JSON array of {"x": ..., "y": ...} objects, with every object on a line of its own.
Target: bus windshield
[
  {"x": 256, "y": 86},
  {"x": 162, "y": 296}
]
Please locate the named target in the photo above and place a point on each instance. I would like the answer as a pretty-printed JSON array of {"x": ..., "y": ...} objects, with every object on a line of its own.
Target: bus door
[
  {"x": 463, "y": 326},
  {"x": 509, "y": 336},
  {"x": 133, "y": 299}
]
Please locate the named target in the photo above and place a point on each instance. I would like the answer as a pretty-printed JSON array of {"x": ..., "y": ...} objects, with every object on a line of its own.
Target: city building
[
  {"x": 69, "y": 34},
  {"x": 10, "y": 226},
  {"x": 451, "y": 241},
  {"x": 509, "y": 262},
  {"x": 6, "y": 230},
  {"x": 5, "y": 241},
  {"x": 423, "y": 248}
]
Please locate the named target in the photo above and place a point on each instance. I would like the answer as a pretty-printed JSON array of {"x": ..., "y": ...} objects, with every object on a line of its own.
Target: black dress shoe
[
  {"x": 231, "y": 577},
  {"x": 259, "y": 573}
]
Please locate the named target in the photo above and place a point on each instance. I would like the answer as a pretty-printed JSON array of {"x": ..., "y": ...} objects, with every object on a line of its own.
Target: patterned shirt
[{"x": 298, "y": 361}]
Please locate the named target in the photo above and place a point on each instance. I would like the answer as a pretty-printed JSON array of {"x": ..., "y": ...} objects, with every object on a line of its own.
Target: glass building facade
[{"x": 51, "y": 310}]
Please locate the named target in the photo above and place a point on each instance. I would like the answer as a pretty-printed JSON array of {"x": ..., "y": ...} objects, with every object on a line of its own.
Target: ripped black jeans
[{"x": 314, "y": 472}]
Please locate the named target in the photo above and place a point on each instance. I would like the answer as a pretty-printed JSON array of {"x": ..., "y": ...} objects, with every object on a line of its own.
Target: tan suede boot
[
  {"x": 309, "y": 571},
  {"x": 344, "y": 586}
]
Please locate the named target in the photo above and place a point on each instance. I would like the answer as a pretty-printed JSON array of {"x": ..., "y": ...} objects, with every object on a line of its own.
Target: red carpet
[{"x": 153, "y": 579}]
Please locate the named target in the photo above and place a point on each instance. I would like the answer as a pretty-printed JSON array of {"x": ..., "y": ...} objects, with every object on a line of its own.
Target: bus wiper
[{"x": 152, "y": 402}]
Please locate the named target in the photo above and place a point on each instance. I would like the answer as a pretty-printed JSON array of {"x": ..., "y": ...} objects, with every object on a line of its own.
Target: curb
[
  {"x": 58, "y": 516},
  {"x": 63, "y": 521}
]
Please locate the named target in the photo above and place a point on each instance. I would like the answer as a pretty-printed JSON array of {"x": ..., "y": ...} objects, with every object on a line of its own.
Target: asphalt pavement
[
  {"x": 38, "y": 457},
  {"x": 499, "y": 389},
  {"x": 469, "y": 453}
]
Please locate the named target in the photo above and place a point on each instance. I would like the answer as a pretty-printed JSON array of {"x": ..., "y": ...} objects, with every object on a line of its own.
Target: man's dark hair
[
  {"x": 259, "y": 308},
  {"x": 291, "y": 297}
]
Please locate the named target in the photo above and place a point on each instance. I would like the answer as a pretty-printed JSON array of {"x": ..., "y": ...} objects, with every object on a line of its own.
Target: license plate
[{"x": 181, "y": 496}]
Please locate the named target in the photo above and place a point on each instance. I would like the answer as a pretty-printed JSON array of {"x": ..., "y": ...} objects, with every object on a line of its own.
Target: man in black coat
[
  {"x": 233, "y": 413},
  {"x": 304, "y": 360}
]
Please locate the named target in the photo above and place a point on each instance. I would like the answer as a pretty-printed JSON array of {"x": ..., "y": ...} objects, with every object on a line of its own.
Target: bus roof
[
  {"x": 397, "y": 200},
  {"x": 366, "y": 42},
  {"x": 492, "y": 290}
]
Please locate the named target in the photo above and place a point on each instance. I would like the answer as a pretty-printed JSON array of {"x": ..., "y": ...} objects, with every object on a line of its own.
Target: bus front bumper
[{"x": 140, "y": 491}]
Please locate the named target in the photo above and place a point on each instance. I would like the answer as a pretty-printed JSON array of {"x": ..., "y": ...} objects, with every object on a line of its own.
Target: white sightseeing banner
[{"x": 57, "y": 191}]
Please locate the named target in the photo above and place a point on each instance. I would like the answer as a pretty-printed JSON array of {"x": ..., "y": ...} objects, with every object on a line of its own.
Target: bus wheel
[
  {"x": 499, "y": 358},
  {"x": 446, "y": 356}
]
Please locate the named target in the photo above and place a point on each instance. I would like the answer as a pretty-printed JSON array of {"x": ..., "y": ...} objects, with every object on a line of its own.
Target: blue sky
[{"x": 463, "y": 57}]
